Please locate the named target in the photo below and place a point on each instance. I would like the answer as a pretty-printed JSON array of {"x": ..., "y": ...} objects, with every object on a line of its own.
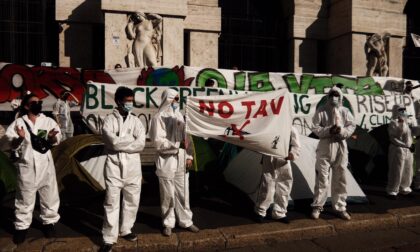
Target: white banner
[
  {"x": 369, "y": 111},
  {"x": 260, "y": 121},
  {"x": 99, "y": 101},
  {"x": 48, "y": 82}
]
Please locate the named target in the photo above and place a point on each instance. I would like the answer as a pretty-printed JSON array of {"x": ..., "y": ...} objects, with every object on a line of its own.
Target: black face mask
[{"x": 35, "y": 108}]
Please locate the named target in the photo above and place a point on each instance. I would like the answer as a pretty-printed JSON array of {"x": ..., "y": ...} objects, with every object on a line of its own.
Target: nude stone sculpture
[
  {"x": 146, "y": 33},
  {"x": 377, "y": 58}
]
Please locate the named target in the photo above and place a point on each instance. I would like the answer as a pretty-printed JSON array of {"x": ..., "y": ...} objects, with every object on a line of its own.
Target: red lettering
[
  {"x": 222, "y": 113},
  {"x": 237, "y": 131},
  {"x": 262, "y": 111},
  {"x": 274, "y": 108},
  {"x": 248, "y": 105},
  {"x": 204, "y": 107},
  {"x": 8, "y": 91}
]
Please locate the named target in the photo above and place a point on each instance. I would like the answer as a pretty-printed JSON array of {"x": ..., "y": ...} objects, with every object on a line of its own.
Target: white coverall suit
[
  {"x": 124, "y": 141},
  {"x": 400, "y": 158},
  {"x": 61, "y": 110},
  {"x": 167, "y": 131},
  {"x": 36, "y": 173},
  {"x": 332, "y": 153},
  {"x": 277, "y": 180}
]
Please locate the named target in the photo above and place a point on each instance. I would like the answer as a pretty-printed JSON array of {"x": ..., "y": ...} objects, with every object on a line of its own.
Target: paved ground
[
  {"x": 397, "y": 239},
  {"x": 224, "y": 215}
]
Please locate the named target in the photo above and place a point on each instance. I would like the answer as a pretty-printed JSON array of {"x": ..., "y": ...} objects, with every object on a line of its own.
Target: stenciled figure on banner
[{"x": 146, "y": 32}]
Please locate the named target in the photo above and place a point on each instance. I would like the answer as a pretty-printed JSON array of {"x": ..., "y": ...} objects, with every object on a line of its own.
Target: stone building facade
[{"x": 317, "y": 36}]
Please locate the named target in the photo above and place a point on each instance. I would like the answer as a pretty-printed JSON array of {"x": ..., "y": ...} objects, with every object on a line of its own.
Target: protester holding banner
[
  {"x": 276, "y": 182},
  {"x": 32, "y": 136},
  {"x": 61, "y": 112},
  {"x": 400, "y": 157},
  {"x": 124, "y": 137},
  {"x": 333, "y": 124},
  {"x": 167, "y": 131}
]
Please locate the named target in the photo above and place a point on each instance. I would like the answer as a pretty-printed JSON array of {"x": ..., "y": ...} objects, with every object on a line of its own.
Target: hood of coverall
[
  {"x": 340, "y": 99},
  {"x": 396, "y": 111},
  {"x": 167, "y": 97}
]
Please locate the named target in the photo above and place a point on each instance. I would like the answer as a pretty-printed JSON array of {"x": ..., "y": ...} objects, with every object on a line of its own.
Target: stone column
[
  {"x": 203, "y": 49},
  {"x": 173, "y": 41},
  {"x": 305, "y": 58},
  {"x": 395, "y": 56}
]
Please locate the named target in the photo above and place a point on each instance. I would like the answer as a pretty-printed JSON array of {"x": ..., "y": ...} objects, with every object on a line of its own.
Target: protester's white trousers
[
  {"x": 175, "y": 200},
  {"x": 130, "y": 188},
  {"x": 40, "y": 178},
  {"x": 331, "y": 157},
  {"x": 275, "y": 188},
  {"x": 400, "y": 172}
]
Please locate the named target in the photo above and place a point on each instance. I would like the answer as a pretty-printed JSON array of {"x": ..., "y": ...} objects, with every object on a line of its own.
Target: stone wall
[
  {"x": 344, "y": 25},
  {"x": 80, "y": 20}
]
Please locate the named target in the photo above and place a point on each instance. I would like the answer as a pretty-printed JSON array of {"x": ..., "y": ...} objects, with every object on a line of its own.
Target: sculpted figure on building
[
  {"x": 376, "y": 55},
  {"x": 146, "y": 32}
]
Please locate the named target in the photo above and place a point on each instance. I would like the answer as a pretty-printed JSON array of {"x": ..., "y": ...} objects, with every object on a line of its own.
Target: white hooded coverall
[
  {"x": 61, "y": 110},
  {"x": 167, "y": 131},
  {"x": 36, "y": 173},
  {"x": 276, "y": 182},
  {"x": 124, "y": 141},
  {"x": 332, "y": 153},
  {"x": 400, "y": 158}
]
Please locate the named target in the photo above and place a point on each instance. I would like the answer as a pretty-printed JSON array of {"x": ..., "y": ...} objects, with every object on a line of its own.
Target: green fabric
[
  {"x": 8, "y": 175},
  {"x": 203, "y": 154}
]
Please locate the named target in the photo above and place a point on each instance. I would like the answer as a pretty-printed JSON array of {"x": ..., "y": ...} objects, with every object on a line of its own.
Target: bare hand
[
  {"x": 189, "y": 164},
  {"x": 52, "y": 133},
  {"x": 20, "y": 131}
]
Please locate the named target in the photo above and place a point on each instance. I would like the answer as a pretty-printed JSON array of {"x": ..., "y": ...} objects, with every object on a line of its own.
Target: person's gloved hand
[{"x": 335, "y": 130}]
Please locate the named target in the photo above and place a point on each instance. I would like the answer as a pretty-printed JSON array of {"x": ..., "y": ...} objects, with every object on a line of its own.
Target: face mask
[
  {"x": 174, "y": 105},
  {"x": 402, "y": 113},
  {"x": 335, "y": 100},
  {"x": 128, "y": 106},
  {"x": 35, "y": 108}
]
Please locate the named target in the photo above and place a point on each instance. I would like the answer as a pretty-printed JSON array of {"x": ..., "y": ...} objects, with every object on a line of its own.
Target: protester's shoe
[
  {"x": 49, "y": 231},
  {"x": 344, "y": 215},
  {"x": 284, "y": 220},
  {"x": 167, "y": 231},
  {"x": 106, "y": 247},
  {"x": 406, "y": 192},
  {"x": 258, "y": 218},
  {"x": 315, "y": 213},
  {"x": 130, "y": 237},
  {"x": 391, "y": 197},
  {"x": 193, "y": 228},
  {"x": 19, "y": 236}
]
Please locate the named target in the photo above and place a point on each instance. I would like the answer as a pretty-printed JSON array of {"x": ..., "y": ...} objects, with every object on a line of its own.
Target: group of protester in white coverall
[
  {"x": 32, "y": 135},
  {"x": 401, "y": 148},
  {"x": 333, "y": 124},
  {"x": 124, "y": 137}
]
